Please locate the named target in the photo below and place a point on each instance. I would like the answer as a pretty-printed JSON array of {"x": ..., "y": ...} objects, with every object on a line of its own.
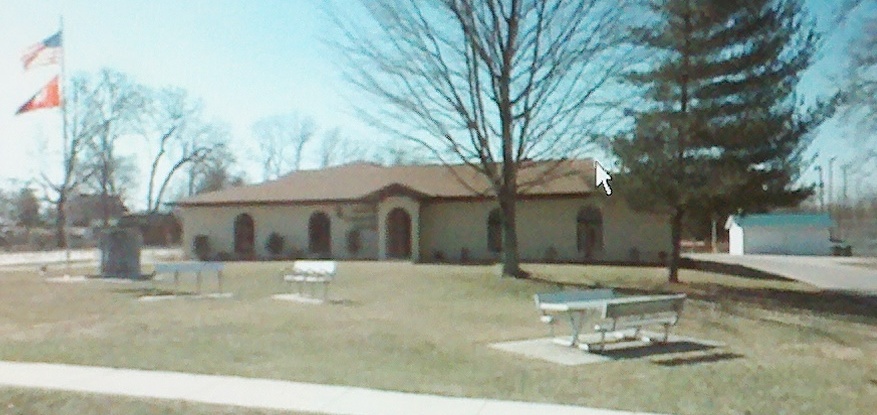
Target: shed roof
[
  {"x": 781, "y": 220},
  {"x": 358, "y": 181}
]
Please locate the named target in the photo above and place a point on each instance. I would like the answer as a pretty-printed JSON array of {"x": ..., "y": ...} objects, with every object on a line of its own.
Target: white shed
[{"x": 780, "y": 234}]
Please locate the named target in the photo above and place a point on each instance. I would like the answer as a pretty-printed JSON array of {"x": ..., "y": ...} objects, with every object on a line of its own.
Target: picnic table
[
  {"x": 617, "y": 312},
  {"x": 197, "y": 268}
]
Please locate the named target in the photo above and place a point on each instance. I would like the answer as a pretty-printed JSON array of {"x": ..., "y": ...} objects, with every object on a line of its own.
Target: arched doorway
[
  {"x": 320, "y": 235},
  {"x": 589, "y": 231},
  {"x": 398, "y": 234},
  {"x": 244, "y": 235}
]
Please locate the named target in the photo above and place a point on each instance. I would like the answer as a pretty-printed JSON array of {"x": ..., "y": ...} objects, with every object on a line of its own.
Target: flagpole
[{"x": 63, "y": 103}]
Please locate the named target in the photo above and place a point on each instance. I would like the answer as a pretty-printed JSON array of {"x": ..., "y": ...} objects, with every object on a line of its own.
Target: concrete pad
[
  {"x": 68, "y": 279},
  {"x": 557, "y": 350},
  {"x": 550, "y": 351},
  {"x": 153, "y": 298},
  {"x": 297, "y": 298}
]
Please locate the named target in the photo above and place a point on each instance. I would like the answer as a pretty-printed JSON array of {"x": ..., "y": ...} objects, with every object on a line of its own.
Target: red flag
[
  {"x": 47, "y": 52},
  {"x": 48, "y": 97}
]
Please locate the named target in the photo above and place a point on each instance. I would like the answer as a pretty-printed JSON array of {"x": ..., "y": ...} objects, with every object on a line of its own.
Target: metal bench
[
  {"x": 638, "y": 312},
  {"x": 197, "y": 268},
  {"x": 309, "y": 273}
]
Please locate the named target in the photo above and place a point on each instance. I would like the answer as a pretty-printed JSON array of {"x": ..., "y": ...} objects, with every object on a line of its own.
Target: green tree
[{"x": 720, "y": 129}]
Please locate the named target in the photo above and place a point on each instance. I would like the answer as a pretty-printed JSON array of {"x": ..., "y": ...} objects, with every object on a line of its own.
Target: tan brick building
[{"x": 423, "y": 214}]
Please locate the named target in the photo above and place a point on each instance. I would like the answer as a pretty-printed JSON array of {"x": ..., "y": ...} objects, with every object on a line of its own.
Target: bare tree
[
  {"x": 83, "y": 123},
  {"x": 859, "y": 83},
  {"x": 281, "y": 139},
  {"x": 117, "y": 101},
  {"x": 336, "y": 149},
  {"x": 178, "y": 138},
  {"x": 216, "y": 170},
  {"x": 489, "y": 83}
]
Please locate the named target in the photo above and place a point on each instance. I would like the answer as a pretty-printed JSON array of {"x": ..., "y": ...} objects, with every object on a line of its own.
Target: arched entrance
[
  {"x": 244, "y": 235},
  {"x": 320, "y": 235},
  {"x": 398, "y": 234}
]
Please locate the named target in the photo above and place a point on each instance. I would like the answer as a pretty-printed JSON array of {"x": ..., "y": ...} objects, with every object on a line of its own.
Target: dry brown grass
[
  {"x": 15, "y": 401},
  {"x": 426, "y": 328}
]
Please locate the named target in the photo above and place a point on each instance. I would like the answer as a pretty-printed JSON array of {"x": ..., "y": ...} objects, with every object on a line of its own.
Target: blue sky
[{"x": 245, "y": 59}]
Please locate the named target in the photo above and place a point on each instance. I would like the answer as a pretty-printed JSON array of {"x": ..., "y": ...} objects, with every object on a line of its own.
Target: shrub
[
  {"x": 201, "y": 246},
  {"x": 294, "y": 253},
  {"x": 550, "y": 254},
  {"x": 275, "y": 244},
  {"x": 223, "y": 256},
  {"x": 354, "y": 244}
]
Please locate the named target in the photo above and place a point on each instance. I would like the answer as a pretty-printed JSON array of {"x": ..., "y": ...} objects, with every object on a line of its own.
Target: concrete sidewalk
[{"x": 264, "y": 393}]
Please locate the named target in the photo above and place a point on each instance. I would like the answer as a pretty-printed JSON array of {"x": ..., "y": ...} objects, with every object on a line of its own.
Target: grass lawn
[
  {"x": 15, "y": 401},
  {"x": 426, "y": 328}
]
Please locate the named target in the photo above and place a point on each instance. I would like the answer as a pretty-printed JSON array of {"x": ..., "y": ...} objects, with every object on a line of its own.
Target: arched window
[
  {"x": 494, "y": 231},
  {"x": 244, "y": 234},
  {"x": 398, "y": 234},
  {"x": 589, "y": 231},
  {"x": 319, "y": 234}
]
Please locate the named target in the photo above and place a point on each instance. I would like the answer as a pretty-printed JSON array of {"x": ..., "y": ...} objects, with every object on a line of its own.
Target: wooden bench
[
  {"x": 310, "y": 273},
  {"x": 572, "y": 303},
  {"x": 638, "y": 312}
]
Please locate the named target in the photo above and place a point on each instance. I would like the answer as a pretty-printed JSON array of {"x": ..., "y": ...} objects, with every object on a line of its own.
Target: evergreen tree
[{"x": 721, "y": 129}]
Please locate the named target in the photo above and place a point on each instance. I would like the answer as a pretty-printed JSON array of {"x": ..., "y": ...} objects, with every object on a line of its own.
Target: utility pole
[
  {"x": 820, "y": 185},
  {"x": 844, "y": 169},
  {"x": 830, "y": 182}
]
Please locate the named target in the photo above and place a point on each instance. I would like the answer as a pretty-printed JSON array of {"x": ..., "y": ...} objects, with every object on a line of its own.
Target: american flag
[{"x": 47, "y": 52}]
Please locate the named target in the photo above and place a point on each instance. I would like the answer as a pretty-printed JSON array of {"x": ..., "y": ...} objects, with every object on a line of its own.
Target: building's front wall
[
  {"x": 787, "y": 240},
  {"x": 289, "y": 221},
  {"x": 547, "y": 230},
  {"x": 441, "y": 230}
]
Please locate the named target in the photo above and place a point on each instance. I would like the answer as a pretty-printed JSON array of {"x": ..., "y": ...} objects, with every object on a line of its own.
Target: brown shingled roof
[{"x": 358, "y": 181}]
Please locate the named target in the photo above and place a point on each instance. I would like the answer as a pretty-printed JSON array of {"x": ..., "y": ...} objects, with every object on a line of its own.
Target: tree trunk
[
  {"x": 511, "y": 263},
  {"x": 676, "y": 236},
  {"x": 60, "y": 220}
]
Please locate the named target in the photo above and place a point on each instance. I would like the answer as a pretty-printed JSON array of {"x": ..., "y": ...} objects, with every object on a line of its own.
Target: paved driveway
[{"x": 833, "y": 273}]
